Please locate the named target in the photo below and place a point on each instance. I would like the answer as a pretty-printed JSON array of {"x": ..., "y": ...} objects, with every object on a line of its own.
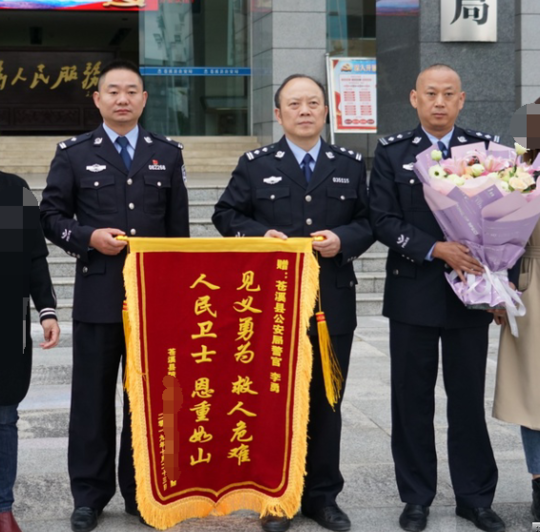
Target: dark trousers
[
  {"x": 98, "y": 352},
  {"x": 414, "y": 352},
  {"x": 324, "y": 480}
]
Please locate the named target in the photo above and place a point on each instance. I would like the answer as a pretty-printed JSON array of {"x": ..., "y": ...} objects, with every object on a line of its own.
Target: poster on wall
[
  {"x": 83, "y": 5},
  {"x": 352, "y": 84}
]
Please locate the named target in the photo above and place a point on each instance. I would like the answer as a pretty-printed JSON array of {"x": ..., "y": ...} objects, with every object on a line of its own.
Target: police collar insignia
[
  {"x": 272, "y": 180},
  {"x": 96, "y": 167},
  {"x": 98, "y": 141},
  {"x": 280, "y": 155},
  {"x": 462, "y": 139},
  {"x": 330, "y": 155},
  {"x": 148, "y": 140},
  {"x": 417, "y": 140},
  {"x": 409, "y": 166}
]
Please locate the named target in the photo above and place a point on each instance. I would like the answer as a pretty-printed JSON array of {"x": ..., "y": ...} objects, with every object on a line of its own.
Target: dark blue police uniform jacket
[
  {"x": 268, "y": 190},
  {"x": 416, "y": 290},
  {"x": 89, "y": 187}
]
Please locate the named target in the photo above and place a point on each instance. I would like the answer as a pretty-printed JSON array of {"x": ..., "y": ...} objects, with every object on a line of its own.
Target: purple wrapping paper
[{"x": 493, "y": 224}]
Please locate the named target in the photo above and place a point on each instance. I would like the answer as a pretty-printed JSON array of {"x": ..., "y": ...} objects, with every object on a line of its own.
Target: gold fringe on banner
[
  {"x": 333, "y": 378},
  {"x": 165, "y": 516}
]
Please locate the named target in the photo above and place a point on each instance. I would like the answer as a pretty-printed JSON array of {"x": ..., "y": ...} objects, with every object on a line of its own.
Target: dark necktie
[
  {"x": 123, "y": 143},
  {"x": 306, "y": 166},
  {"x": 443, "y": 148}
]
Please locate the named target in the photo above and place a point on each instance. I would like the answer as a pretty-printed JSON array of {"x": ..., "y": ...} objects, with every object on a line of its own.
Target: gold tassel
[{"x": 333, "y": 378}]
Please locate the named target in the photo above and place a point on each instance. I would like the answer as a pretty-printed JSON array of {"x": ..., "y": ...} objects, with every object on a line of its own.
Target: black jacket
[
  {"x": 416, "y": 290},
  {"x": 335, "y": 199},
  {"x": 23, "y": 272},
  {"x": 88, "y": 187}
]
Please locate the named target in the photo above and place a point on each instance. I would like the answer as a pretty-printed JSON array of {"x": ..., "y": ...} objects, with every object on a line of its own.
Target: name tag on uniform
[
  {"x": 272, "y": 180},
  {"x": 343, "y": 180},
  {"x": 96, "y": 168}
]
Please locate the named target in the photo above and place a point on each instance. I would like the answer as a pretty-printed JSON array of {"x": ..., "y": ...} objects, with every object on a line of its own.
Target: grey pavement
[{"x": 370, "y": 496}]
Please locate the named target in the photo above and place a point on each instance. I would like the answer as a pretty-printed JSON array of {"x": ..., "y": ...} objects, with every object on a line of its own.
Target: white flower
[
  {"x": 524, "y": 176},
  {"x": 494, "y": 175},
  {"x": 477, "y": 169},
  {"x": 436, "y": 155},
  {"x": 505, "y": 186},
  {"x": 517, "y": 183},
  {"x": 437, "y": 172},
  {"x": 458, "y": 180},
  {"x": 520, "y": 150}
]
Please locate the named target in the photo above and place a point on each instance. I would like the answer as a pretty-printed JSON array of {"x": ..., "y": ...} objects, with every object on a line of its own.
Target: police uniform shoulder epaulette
[
  {"x": 475, "y": 134},
  {"x": 163, "y": 138},
  {"x": 392, "y": 139},
  {"x": 349, "y": 153},
  {"x": 73, "y": 141},
  {"x": 259, "y": 152}
]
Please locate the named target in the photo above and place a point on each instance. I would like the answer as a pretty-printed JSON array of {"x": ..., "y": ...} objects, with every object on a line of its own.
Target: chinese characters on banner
[
  {"x": 469, "y": 20},
  {"x": 353, "y": 94},
  {"x": 218, "y": 359}
]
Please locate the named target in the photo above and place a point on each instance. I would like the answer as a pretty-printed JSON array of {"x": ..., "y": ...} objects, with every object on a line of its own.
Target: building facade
[{"x": 212, "y": 66}]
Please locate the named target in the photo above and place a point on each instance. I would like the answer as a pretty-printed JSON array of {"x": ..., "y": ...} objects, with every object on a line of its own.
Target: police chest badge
[
  {"x": 96, "y": 168},
  {"x": 272, "y": 180}
]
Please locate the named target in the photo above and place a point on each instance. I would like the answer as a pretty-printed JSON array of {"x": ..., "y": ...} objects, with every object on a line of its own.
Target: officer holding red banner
[
  {"x": 116, "y": 180},
  {"x": 303, "y": 187}
]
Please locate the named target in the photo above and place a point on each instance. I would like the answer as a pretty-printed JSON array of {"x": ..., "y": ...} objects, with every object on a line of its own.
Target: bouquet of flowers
[{"x": 488, "y": 201}]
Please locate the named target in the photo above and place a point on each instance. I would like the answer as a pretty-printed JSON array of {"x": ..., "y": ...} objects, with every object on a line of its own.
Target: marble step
[
  {"x": 367, "y": 304},
  {"x": 64, "y": 265},
  {"x": 367, "y": 282}
]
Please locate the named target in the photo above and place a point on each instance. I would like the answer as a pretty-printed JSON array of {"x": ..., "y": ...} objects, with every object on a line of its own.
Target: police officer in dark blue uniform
[
  {"x": 424, "y": 310},
  {"x": 116, "y": 180},
  {"x": 302, "y": 187}
]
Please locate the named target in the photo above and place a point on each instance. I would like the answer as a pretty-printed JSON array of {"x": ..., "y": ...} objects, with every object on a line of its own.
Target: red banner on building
[
  {"x": 218, "y": 373},
  {"x": 85, "y": 5}
]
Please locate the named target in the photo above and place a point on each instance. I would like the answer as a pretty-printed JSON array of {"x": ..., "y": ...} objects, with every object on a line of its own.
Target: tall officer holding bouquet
[{"x": 424, "y": 311}]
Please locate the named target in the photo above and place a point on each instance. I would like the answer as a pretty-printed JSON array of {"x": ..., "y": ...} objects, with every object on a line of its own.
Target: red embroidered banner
[{"x": 218, "y": 373}]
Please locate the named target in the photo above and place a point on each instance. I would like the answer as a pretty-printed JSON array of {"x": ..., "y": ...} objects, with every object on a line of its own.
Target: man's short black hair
[
  {"x": 119, "y": 64},
  {"x": 277, "y": 96}
]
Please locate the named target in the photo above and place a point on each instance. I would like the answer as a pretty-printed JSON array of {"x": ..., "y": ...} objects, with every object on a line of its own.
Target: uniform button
[
  {"x": 85, "y": 269},
  {"x": 133, "y": 232},
  {"x": 159, "y": 183},
  {"x": 342, "y": 198},
  {"x": 272, "y": 197},
  {"x": 351, "y": 283},
  {"x": 78, "y": 256},
  {"x": 308, "y": 198},
  {"x": 396, "y": 272},
  {"x": 411, "y": 181},
  {"x": 309, "y": 221},
  {"x": 131, "y": 206},
  {"x": 96, "y": 183},
  {"x": 130, "y": 181}
]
